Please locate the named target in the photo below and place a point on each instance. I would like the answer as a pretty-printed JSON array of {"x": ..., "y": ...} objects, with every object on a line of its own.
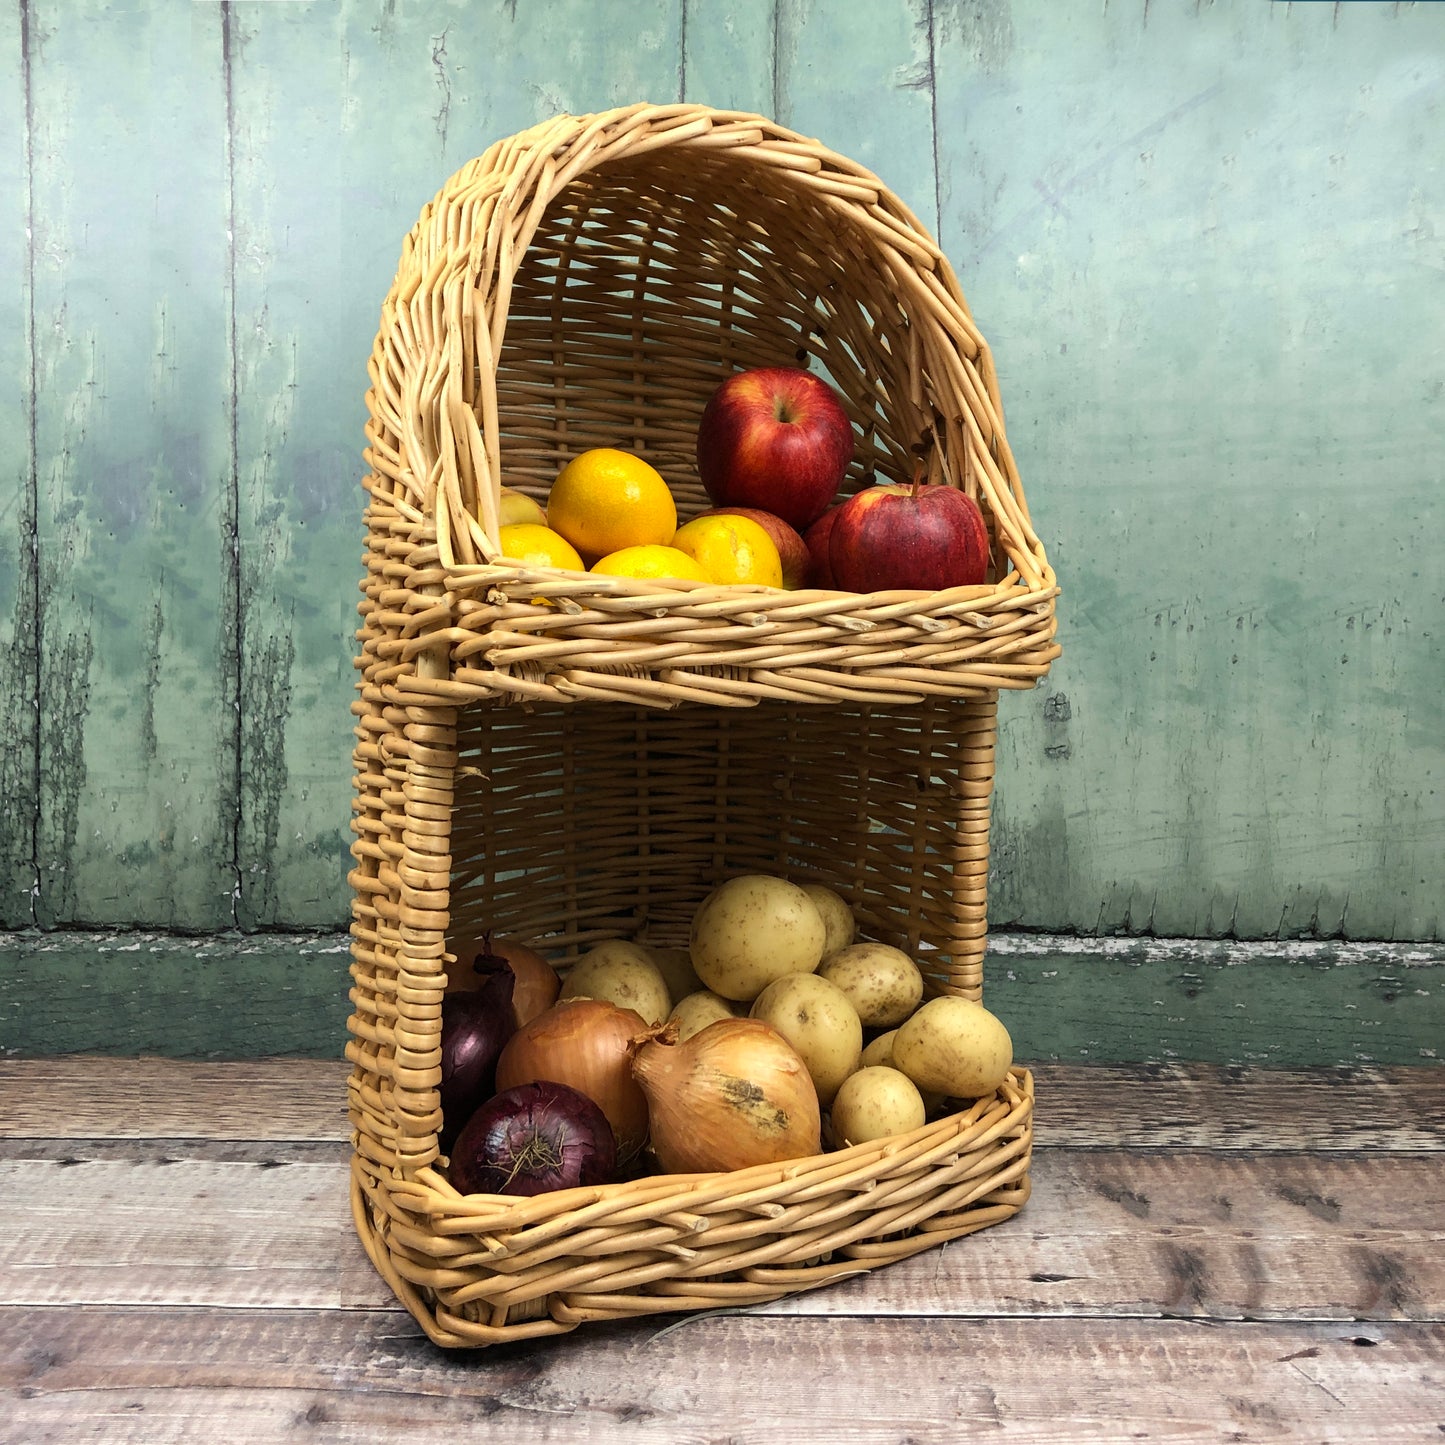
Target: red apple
[
  {"x": 792, "y": 550},
  {"x": 777, "y": 439},
  {"x": 817, "y": 540},
  {"x": 919, "y": 537}
]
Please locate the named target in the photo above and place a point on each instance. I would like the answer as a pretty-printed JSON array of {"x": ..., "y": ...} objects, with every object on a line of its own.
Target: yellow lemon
[
  {"x": 514, "y": 508},
  {"x": 605, "y": 500},
  {"x": 731, "y": 549},
  {"x": 651, "y": 560},
  {"x": 538, "y": 547}
]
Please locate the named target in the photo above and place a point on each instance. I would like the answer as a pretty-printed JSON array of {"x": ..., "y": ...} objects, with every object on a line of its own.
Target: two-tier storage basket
[{"x": 568, "y": 758}]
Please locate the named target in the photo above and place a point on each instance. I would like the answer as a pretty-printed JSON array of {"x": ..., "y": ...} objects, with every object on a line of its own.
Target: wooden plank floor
[{"x": 1209, "y": 1254}]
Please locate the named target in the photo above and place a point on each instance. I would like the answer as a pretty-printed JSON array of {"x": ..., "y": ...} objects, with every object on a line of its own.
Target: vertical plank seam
[
  {"x": 30, "y": 522},
  {"x": 777, "y": 60},
  {"x": 933, "y": 120},
  {"x": 231, "y": 519},
  {"x": 682, "y": 55}
]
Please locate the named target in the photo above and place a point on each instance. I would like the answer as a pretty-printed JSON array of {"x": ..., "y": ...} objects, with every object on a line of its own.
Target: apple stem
[{"x": 917, "y": 479}]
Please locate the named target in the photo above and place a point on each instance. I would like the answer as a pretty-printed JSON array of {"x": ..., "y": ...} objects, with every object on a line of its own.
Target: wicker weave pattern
[{"x": 573, "y": 758}]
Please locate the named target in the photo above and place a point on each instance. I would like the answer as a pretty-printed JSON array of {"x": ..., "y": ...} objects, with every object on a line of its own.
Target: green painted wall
[{"x": 1205, "y": 240}]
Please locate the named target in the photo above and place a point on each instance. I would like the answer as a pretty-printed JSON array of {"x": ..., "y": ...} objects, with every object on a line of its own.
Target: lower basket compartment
[
  {"x": 480, "y": 1269},
  {"x": 566, "y": 826}
]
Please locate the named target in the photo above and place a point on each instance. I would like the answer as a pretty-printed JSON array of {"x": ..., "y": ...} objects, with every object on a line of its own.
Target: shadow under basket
[{"x": 569, "y": 758}]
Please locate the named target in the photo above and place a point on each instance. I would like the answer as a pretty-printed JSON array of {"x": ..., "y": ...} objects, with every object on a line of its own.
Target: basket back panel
[{"x": 571, "y": 826}]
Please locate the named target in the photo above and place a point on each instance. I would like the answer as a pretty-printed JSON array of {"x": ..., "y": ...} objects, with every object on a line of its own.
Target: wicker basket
[{"x": 571, "y": 757}]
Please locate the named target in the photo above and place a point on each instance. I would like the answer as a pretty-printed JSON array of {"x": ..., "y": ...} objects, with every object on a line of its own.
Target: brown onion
[
  {"x": 733, "y": 1095},
  {"x": 537, "y": 982},
  {"x": 585, "y": 1043}
]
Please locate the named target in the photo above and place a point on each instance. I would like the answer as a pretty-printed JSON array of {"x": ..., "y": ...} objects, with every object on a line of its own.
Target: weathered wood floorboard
[
  {"x": 165, "y": 1374},
  {"x": 1175, "y": 1106},
  {"x": 1208, "y": 1254},
  {"x": 1106, "y": 1232}
]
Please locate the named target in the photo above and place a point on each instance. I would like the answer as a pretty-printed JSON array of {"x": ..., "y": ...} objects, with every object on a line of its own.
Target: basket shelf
[{"x": 573, "y": 757}]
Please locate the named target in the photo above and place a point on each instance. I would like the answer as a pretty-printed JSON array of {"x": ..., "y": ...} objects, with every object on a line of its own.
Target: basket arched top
[{"x": 588, "y": 281}]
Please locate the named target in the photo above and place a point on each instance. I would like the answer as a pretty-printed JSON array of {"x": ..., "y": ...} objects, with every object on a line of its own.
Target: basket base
[{"x": 510, "y": 1270}]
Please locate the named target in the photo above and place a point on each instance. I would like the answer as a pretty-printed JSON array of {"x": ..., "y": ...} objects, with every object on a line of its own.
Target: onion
[
  {"x": 585, "y": 1043},
  {"x": 733, "y": 1095},
  {"x": 537, "y": 983},
  {"x": 475, "y": 1026},
  {"x": 531, "y": 1139}
]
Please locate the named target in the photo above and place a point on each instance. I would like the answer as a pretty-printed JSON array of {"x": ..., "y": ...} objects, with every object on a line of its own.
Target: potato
[
  {"x": 751, "y": 930},
  {"x": 954, "y": 1046},
  {"x": 839, "y": 925},
  {"x": 623, "y": 973},
  {"x": 676, "y": 966},
  {"x": 881, "y": 981},
  {"x": 822, "y": 1026},
  {"x": 700, "y": 1009},
  {"x": 879, "y": 1052},
  {"x": 874, "y": 1103}
]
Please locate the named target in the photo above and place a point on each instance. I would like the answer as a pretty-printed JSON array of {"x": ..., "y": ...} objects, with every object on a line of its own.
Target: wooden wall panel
[
  {"x": 132, "y": 385},
  {"x": 1204, "y": 243},
  {"x": 345, "y": 124},
  {"x": 18, "y": 660}
]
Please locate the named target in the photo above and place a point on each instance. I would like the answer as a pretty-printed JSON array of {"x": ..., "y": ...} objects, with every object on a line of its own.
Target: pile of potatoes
[{"x": 880, "y": 1056}]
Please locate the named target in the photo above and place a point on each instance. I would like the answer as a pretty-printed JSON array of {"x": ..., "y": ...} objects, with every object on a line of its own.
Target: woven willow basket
[{"x": 571, "y": 758}]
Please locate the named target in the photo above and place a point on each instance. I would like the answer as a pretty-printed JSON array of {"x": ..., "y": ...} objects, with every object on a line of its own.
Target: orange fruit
[
  {"x": 605, "y": 500},
  {"x": 536, "y": 546},
  {"x": 731, "y": 549},
  {"x": 650, "y": 560}
]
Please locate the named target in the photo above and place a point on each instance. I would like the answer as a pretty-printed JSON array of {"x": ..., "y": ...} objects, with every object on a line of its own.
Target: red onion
[
  {"x": 532, "y": 1139},
  {"x": 475, "y": 1026},
  {"x": 537, "y": 983}
]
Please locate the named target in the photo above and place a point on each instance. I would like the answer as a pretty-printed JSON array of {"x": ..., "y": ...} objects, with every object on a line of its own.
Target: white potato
[
  {"x": 698, "y": 1010},
  {"x": 676, "y": 966},
  {"x": 882, "y": 982},
  {"x": 875, "y": 1103},
  {"x": 822, "y": 1026},
  {"x": 751, "y": 930},
  {"x": 955, "y": 1047},
  {"x": 839, "y": 925},
  {"x": 622, "y": 973},
  {"x": 879, "y": 1051}
]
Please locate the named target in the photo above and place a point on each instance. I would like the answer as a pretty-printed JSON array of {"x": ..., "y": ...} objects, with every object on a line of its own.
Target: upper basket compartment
[{"x": 588, "y": 283}]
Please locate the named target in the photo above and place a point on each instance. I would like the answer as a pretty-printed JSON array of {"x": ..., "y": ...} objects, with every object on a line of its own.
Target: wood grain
[
  {"x": 1367, "y": 1111},
  {"x": 19, "y": 657},
  {"x": 1192, "y": 1235},
  {"x": 218, "y": 1210},
  {"x": 1206, "y": 1281},
  {"x": 166, "y": 1099},
  {"x": 160, "y": 1375},
  {"x": 138, "y": 723}
]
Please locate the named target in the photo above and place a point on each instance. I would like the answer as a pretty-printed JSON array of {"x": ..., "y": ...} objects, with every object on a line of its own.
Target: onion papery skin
[
  {"x": 537, "y": 982},
  {"x": 475, "y": 1027},
  {"x": 585, "y": 1043},
  {"x": 531, "y": 1140},
  {"x": 733, "y": 1095}
]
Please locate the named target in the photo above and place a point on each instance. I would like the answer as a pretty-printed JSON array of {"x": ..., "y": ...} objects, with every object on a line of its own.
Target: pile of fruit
[
  {"x": 773, "y": 447},
  {"x": 774, "y": 1035}
]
